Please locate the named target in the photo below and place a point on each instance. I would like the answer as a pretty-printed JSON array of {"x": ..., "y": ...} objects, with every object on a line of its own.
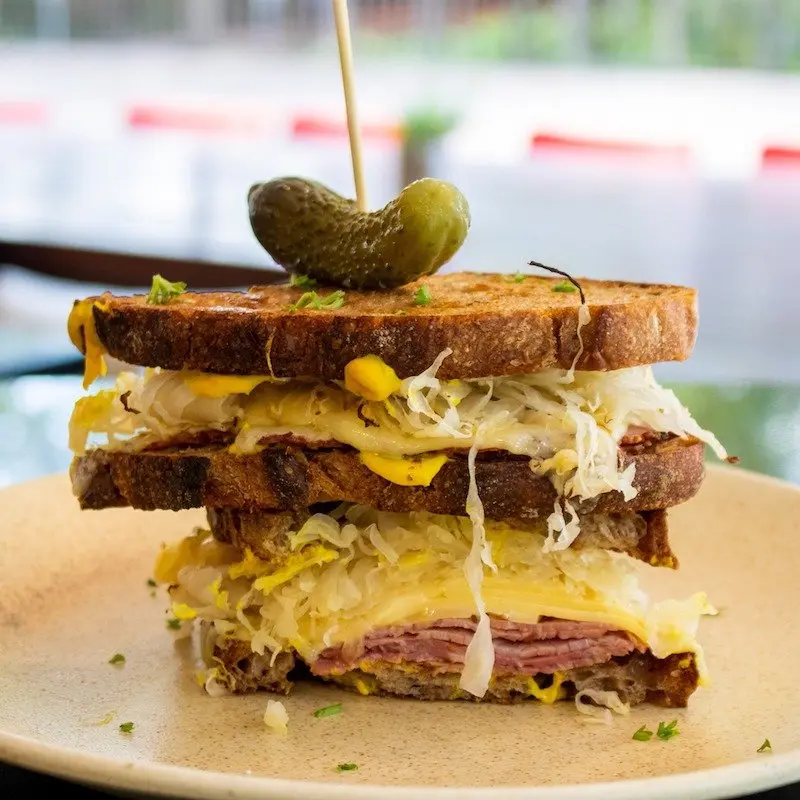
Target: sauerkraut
[
  {"x": 360, "y": 569},
  {"x": 276, "y": 717},
  {"x": 570, "y": 429},
  {"x": 568, "y": 423},
  {"x": 597, "y": 704}
]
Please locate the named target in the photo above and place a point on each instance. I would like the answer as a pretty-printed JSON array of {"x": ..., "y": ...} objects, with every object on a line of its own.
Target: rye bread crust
[
  {"x": 668, "y": 473},
  {"x": 267, "y": 534},
  {"x": 638, "y": 678},
  {"x": 493, "y": 326}
]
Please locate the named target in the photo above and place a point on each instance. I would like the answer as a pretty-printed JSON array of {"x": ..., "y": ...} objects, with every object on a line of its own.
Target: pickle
[{"x": 309, "y": 230}]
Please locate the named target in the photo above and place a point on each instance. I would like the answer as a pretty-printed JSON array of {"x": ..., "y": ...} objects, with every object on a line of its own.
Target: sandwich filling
[
  {"x": 569, "y": 424},
  {"x": 361, "y": 588}
]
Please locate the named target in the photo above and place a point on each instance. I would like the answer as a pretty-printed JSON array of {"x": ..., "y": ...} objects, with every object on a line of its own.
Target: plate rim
[{"x": 163, "y": 780}]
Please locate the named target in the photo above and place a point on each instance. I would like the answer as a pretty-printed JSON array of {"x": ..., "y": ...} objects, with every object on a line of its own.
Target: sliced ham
[{"x": 520, "y": 648}]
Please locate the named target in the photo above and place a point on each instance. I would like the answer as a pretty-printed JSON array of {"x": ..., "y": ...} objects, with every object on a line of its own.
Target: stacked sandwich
[{"x": 437, "y": 492}]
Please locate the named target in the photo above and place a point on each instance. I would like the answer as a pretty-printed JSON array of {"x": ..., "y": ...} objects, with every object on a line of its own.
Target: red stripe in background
[
  {"x": 307, "y": 127},
  {"x": 193, "y": 120},
  {"x": 780, "y": 156},
  {"x": 555, "y": 143},
  {"x": 19, "y": 112}
]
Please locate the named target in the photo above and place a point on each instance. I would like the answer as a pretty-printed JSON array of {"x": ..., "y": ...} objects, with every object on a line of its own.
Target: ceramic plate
[{"x": 73, "y": 592}]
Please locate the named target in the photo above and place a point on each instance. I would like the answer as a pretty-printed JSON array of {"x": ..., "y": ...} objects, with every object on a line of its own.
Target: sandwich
[{"x": 446, "y": 490}]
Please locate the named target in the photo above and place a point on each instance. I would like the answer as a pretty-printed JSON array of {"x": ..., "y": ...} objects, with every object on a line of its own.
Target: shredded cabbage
[
  {"x": 583, "y": 319},
  {"x": 213, "y": 683},
  {"x": 570, "y": 430},
  {"x": 569, "y": 424},
  {"x": 600, "y": 705},
  {"x": 479, "y": 658},
  {"x": 276, "y": 717},
  {"x": 341, "y": 600}
]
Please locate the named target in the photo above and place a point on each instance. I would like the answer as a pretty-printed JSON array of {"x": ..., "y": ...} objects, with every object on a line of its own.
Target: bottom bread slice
[{"x": 636, "y": 678}]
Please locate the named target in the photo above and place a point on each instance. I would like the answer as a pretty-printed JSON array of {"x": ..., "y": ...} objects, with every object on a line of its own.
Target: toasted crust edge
[
  {"x": 267, "y": 534},
  {"x": 640, "y": 677},
  {"x": 283, "y": 478},
  {"x": 238, "y": 337}
]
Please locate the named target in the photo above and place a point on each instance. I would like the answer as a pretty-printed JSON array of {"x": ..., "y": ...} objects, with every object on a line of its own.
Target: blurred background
[{"x": 653, "y": 140}]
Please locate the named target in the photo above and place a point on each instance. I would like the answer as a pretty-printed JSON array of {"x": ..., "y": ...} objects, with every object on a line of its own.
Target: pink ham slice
[{"x": 520, "y": 648}]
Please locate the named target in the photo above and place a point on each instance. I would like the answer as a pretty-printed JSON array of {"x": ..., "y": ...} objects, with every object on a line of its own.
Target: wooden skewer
[{"x": 354, "y": 130}]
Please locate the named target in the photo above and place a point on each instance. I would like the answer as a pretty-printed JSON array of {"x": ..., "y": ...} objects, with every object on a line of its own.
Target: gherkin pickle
[{"x": 310, "y": 230}]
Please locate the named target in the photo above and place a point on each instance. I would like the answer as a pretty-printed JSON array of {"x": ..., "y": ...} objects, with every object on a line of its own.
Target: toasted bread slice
[
  {"x": 668, "y": 472},
  {"x": 643, "y": 535},
  {"x": 636, "y": 678},
  {"x": 493, "y": 325}
]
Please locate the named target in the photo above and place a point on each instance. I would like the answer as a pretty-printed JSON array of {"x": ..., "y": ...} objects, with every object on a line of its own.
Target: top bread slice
[{"x": 494, "y": 324}]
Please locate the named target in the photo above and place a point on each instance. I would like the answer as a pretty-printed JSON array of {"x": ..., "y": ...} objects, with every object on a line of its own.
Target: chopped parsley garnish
[
  {"x": 516, "y": 278},
  {"x": 423, "y": 296},
  {"x": 162, "y": 290},
  {"x": 643, "y": 734},
  {"x": 565, "y": 286},
  {"x": 319, "y": 302},
  {"x": 666, "y": 732},
  {"x": 173, "y": 624},
  {"x": 328, "y": 711},
  {"x": 151, "y": 583},
  {"x": 117, "y": 658},
  {"x": 126, "y": 727},
  {"x": 346, "y": 767},
  {"x": 301, "y": 282},
  {"x": 766, "y": 747}
]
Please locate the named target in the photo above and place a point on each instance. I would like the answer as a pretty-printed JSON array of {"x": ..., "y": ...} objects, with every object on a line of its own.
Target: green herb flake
[
  {"x": 566, "y": 287},
  {"x": 346, "y": 767},
  {"x": 328, "y": 711},
  {"x": 643, "y": 734},
  {"x": 162, "y": 291},
  {"x": 126, "y": 727},
  {"x": 423, "y": 296},
  {"x": 666, "y": 732},
  {"x": 301, "y": 282},
  {"x": 766, "y": 747},
  {"x": 174, "y": 624},
  {"x": 517, "y": 278},
  {"x": 117, "y": 658},
  {"x": 312, "y": 300},
  {"x": 151, "y": 583}
]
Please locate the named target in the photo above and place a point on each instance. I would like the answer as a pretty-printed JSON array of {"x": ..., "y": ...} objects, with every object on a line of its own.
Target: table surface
[
  {"x": 22, "y": 780},
  {"x": 758, "y": 422}
]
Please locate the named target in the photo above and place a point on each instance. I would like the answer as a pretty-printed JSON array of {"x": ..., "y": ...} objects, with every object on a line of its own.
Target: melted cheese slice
[{"x": 369, "y": 570}]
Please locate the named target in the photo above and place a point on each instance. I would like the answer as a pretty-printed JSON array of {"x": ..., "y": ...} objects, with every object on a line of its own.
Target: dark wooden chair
[{"x": 111, "y": 269}]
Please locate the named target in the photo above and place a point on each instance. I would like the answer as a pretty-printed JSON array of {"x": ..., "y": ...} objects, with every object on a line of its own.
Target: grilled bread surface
[
  {"x": 493, "y": 324},
  {"x": 668, "y": 472}
]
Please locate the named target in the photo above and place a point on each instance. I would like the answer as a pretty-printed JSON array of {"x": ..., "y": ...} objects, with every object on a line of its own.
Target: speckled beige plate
[{"x": 74, "y": 592}]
